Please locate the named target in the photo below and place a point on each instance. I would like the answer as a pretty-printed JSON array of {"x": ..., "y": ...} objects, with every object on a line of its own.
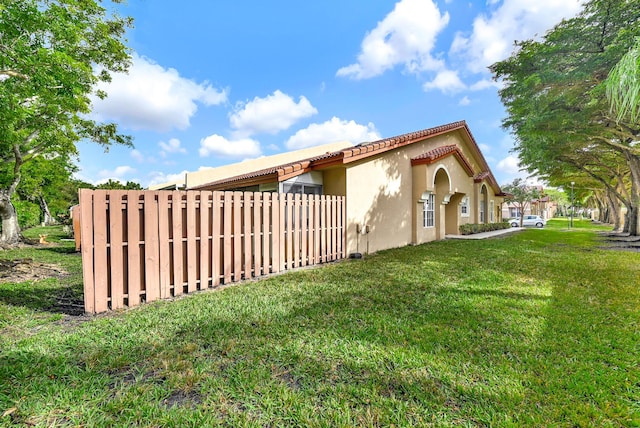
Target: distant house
[
  {"x": 408, "y": 189},
  {"x": 544, "y": 207}
]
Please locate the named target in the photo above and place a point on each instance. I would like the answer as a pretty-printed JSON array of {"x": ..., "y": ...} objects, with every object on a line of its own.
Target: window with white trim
[
  {"x": 464, "y": 207},
  {"x": 491, "y": 211},
  {"x": 429, "y": 211},
  {"x": 482, "y": 216}
]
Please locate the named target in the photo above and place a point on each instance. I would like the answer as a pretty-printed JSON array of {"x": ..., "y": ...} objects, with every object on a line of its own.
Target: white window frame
[
  {"x": 492, "y": 208},
  {"x": 464, "y": 207},
  {"x": 429, "y": 211}
]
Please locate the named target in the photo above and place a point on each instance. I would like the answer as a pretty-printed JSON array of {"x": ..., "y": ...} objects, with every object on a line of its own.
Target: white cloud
[
  {"x": 493, "y": 36},
  {"x": 271, "y": 115},
  {"x": 153, "y": 97},
  {"x": 509, "y": 165},
  {"x": 159, "y": 177},
  {"x": 405, "y": 36},
  {"x": 173, "y": 146},
  {"x": 137, "y": 155},
  {"x": 465, "y": 101},
  {"x": 446, "y": 81},
  {"x": 332, "y": 131},
  {"x": 218, "y": 145},
  {"x": 118, "y": 172}
]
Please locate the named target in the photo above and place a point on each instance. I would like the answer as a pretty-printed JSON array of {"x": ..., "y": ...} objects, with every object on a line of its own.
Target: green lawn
[{"x": 538, "y": 328}]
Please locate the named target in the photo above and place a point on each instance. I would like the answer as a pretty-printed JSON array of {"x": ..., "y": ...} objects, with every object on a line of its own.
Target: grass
[{"x": 539, "y": 328}]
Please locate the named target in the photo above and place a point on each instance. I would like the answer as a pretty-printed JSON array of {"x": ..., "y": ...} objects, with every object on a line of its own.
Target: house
[
  {"x": 408, "y": 189},
  {"x": 544, "y": 206}
]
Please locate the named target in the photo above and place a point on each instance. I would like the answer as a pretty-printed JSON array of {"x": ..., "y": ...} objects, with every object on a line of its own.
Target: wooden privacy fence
[{"x": 141, "y": 246}]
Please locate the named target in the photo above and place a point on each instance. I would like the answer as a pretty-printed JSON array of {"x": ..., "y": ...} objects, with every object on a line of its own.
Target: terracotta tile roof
[
  {"x": 442, "y": 152},
  {"x": 352, "y": 154}
]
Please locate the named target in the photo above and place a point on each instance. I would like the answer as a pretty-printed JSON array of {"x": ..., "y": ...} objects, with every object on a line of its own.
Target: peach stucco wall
[{"x": 384, "y": 196}]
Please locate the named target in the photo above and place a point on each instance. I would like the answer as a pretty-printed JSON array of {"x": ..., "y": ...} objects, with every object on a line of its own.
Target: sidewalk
[{"x": 485, "y": 235}]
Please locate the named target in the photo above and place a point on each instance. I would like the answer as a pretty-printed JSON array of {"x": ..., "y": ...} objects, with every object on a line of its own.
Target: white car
[{"x": 529, "y": 220}]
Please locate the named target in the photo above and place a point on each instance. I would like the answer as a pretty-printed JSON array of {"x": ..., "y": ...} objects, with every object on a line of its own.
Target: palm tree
[{"x": 623, "y": 86}]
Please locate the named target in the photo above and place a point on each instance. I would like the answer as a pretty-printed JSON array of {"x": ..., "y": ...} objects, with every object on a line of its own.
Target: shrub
[{"x": 471, "y": 228}]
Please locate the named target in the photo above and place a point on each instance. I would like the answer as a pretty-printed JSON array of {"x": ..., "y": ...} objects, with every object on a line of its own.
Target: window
[
  {"x": 464, "y": 207},
  {"x": 482, "y": 216},
  {"x": 429, "y": 211},
  {"x": 491, "y": 210},
  {"x": 302, "y": 188},
  {"x": 513, "y": 212}
]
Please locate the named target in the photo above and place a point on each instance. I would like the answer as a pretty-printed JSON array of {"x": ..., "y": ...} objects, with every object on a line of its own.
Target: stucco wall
[{"x": 383, "y": 196}]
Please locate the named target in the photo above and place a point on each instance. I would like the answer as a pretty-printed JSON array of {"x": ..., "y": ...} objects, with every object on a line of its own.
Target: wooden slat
[
  {"x": 134, "y": 280},
  {"x": 85, "y": 214},
  {"x": 304, "y": 229},
  {"x": 277, "y": 232},
  {"x": 267, "y": 234},
  {"x": 247, "y": 238},
  {"x": 237, "y": 236},
  {"x": 177, "y": 248},
  {"x": 164, "y": 229},
  {"x": 100, "y": 251},
  {"x": 323, "y": 230},
  {"x": 205, "y": 239},
  {"x": 257, "y": 233},
  {"x": 343, "y": 223},
  {"x": 191, "y": 256},
  {"x": 216, "y": 238},
  {"x": 151, "y": 245},
  {"x": 115, "y": 248},
  {"x": 295, "y": 235},
  {"x": 316, "y": 229},
  {"x": 227, "y": 253},
  {"x": 334, "y": 229}
]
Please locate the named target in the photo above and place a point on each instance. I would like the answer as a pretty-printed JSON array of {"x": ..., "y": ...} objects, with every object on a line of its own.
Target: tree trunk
[
  {"x": 614, "y": 210},
  {"x": 10, "y": 228},
  {"x": 633, "y": 211},
  {"x": 46, "y": 214}
]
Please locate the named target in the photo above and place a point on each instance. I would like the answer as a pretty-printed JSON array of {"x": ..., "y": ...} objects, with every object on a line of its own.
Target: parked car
[{"x": 529, "y": 220}]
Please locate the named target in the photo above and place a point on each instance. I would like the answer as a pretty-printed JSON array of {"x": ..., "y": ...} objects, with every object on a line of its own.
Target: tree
[
  {"x": 554, "y": 93},
  {"x": 43, "y": 182},
  {"x": 52, "y": 55},
  {"x": 521, "y": 195},
  {"x": 623, "y": 86},
  {"x": 116, "y": 185}
]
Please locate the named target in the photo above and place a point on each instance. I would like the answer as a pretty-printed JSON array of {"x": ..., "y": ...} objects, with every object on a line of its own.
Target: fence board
[
  {"x": 257, "y": 233},
  {"x": 216, "y": 238},
  {"x": 101, "y": 263},
  {"x": 85, "y": 236},
  {"x": 143, "y": 246},
  {"x": 164, "y": 244},
  {"x": 227, "y": 254},
  {"x": 237, "y": 236},
  {"x": 150, "y": 211},
  {"x": 114, "y": 252},
  {"x": 192, "y": 243},
  {"x": 134, "y": 280},
  {"x": 205, "y": 240},
  {"x": 267, "y": 242}
]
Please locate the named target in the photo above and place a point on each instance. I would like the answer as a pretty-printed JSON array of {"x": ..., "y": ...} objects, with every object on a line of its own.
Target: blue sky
[{"x": 217, "y": 82}]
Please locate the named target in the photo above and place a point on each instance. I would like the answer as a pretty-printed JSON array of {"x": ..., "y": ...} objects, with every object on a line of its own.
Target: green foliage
[
  {"x": 554, "y": 93},
  {"x": 471, "y": 228},
  {"x": 29, "y": 214},
  {"x": 52, "y": 55},
  {"x": 623, "y": 86},
  {"x": 116, "y": 185}
]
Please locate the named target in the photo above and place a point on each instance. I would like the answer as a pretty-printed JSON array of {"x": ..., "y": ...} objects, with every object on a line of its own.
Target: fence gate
[{"x": 141, "y": 246}]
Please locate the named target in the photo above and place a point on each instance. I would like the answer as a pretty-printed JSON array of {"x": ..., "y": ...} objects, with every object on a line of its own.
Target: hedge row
[{"x": 469, "y": 229}]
